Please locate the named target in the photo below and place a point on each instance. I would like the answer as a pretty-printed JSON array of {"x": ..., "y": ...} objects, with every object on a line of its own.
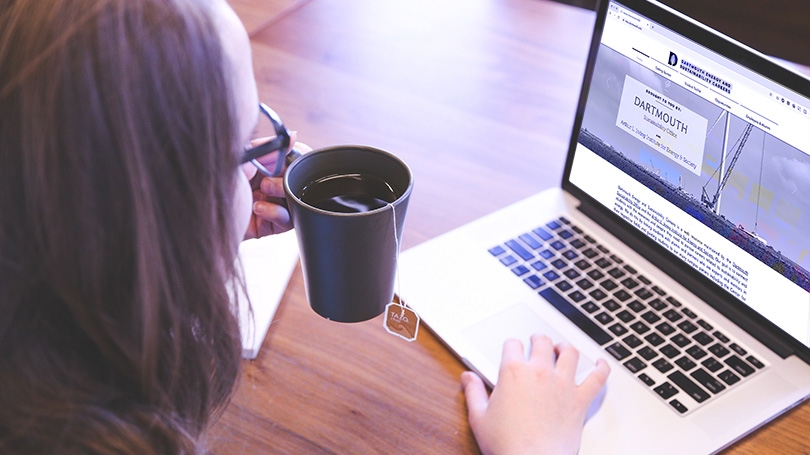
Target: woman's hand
[
  {"x": 270, "y": 214},
  {"x": 536, "y": 407}
]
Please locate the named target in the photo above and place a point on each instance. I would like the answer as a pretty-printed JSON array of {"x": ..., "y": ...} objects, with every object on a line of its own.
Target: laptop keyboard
[{"x": 672, "y": 349}]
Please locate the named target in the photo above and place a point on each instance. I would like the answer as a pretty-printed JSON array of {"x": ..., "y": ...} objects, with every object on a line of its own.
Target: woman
[{"x": 122, "y": 126}]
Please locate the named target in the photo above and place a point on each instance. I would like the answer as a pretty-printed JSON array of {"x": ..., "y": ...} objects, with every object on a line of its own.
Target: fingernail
[{"x": 258, "y": 208}]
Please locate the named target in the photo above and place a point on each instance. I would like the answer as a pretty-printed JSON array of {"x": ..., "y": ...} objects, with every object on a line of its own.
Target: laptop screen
[{"x": 705, "y": 156}]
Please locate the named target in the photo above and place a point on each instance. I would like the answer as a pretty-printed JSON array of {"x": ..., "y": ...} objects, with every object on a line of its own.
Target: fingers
[
  {"x": 595, "y": 381},
  {"x": 272, "y": 218},
  {"x": 476, "y": 395},
  {"x": 272, "y": 186},
  {"x": 542, "y": 350}
]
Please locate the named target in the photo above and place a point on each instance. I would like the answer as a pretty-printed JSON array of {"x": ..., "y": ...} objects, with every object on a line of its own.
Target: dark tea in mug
[{"x": 348, "y": 193}]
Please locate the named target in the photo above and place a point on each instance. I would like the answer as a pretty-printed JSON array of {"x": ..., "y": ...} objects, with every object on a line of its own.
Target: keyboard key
[
  {"x": 589, "y": 239},
  {"x": 687, "y": 326},
  {"x": 622, "y": 295},
  {"x": 557, "y": 245},
  {"x": 611, "y": 305},
  {"x": 595, "y": 274},
  {"x": 754, "y": 361},
  {"x": 617, "y": 329},
  {"x": 696, "y": 352},
  {"x": 564, "y": 220},
  {"x": 629, "y": 283},
  {"x": 739, "y": 365},
  {"x": 582, "y": 264},
  {"x": 737, "y": 348},
  {"x": 519, "y": 250},
  {"x": 728, "y": 377},
  {"x": 547, "y": 254},
  {"x": 632, "y": 341},
  {"x": 643, "y": 293},
  {"x": 566, "y": 234},
  {"x": 553, "y": 225},
  {"x": 497, "y": 251},
  {"x": 576, "y": 296},
  {"x": 703, "y": 338},
  {"x": 572, "y": 274},
  {"x": 625, "y": 316},
  {"x": 662, "y": 365},
  {"x": 559, "y": 264},
  {"x": 638, "y": 326},
  {"x": 539, "y": 265},
  {"x": 644, "y": 280},
  {"x": 672, "y": 315},
  {"x": 708, "y": 381},
  {"x": 574, "y": 315},
  {"x": 688, "y": 386},
  {"x": 609, "y": 285},
  {"x": 520, "y": 270},
  {"x": 719, "y": 335},
  {"x": 685, "y": 363},
  {"x": 646, "y": 379},
  {"x": 678, "y": 406},
  {"x": 577, "y": 243},
  {"x": 570, "y": 255},
  {"x": 635, "y": 365},
  {"x": 636, "y": 306},
  {"x": 719, "y": 350},
  {"x": 590, "y": 253},
  {"x": 603, "y": 249},
  {"x": 564, "y": 286},
  {"x": 534, "y": 281},
  {"x": 551, "y": 275},
  {"x": 658, "y": 291},
  {"x": 603, "y": 263},
  {"x": 665, "y": 328},
  {"x": 603, "y": 318},
  {"x": 585, "y": 284},
  {"x": 673, "y": 301},
  {"x": 647, "y": 353},
  {"x": 706, "y": 326},
  {"x": 658, "y": 304},
  {"x": 597, "y": 294},
  {"x": 589, "y": 307},
  {"x": 654, "y": 339},
  {"x": 680, "y": 340},
  {"x": 665, "y": 390},
  {"x": 508, "y": 260},
  {"x": 651, "y": 317},
  {"x": 530, "y": 240},
  {"x": 712, "y": 364},
  {"x": 616, "y": 273},
  {"x": 670, "y": 351},
  {"x": 689, "y": 313},
  {"x": 543, "y": 234},
  {"x": 618, "y": 351},
  {"x": 616, "y": 259}
]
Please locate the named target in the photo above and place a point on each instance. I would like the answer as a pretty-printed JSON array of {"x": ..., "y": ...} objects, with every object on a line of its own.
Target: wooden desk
[{"x": 478, "y": 97}]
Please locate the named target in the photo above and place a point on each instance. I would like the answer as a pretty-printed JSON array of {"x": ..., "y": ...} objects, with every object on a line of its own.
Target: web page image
[
  {"x": 723, "y": 170},
  {"x": 721, "y": 194}
]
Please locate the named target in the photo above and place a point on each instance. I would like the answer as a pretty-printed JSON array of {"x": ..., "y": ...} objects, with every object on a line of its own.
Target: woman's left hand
[{"x": 270, "y": 214}]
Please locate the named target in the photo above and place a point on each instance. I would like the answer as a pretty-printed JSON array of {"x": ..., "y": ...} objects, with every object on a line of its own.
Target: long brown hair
[{"x": 117, "y": 174}]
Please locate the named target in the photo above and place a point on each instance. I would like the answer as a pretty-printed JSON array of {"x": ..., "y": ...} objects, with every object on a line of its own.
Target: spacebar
[{"x": 576, "y": 316}]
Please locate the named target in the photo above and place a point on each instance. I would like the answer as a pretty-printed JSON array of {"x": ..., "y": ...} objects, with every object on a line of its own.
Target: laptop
[{"x": 676, "y": 246}]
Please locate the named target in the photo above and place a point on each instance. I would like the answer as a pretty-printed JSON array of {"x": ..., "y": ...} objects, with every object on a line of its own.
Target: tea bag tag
[{"x": 401, "y": 321}]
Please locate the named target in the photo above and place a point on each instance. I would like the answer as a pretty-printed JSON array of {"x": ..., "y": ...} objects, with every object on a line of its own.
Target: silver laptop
[{"x": 676, "y": 246}]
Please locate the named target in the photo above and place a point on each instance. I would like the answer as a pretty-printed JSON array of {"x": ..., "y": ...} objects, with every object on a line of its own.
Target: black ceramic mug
[{"x": 348, "y": 206}]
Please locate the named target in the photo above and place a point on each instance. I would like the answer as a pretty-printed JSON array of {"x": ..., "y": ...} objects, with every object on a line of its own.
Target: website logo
[{"x": 673, "y": 59}]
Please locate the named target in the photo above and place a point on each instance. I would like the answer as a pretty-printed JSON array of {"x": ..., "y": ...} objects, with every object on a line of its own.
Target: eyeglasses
[{"x": 279, "y": 144}]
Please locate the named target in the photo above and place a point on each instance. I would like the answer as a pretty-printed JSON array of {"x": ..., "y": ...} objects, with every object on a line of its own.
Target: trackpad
[{"x": 519, "y": 322}]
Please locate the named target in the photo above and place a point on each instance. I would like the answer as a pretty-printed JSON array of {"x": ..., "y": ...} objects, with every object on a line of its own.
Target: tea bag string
[{"x": 396, "y": 245}]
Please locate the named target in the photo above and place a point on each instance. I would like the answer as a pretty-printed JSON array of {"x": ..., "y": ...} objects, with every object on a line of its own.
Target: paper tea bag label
[{"x": 401, "y": 321}]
